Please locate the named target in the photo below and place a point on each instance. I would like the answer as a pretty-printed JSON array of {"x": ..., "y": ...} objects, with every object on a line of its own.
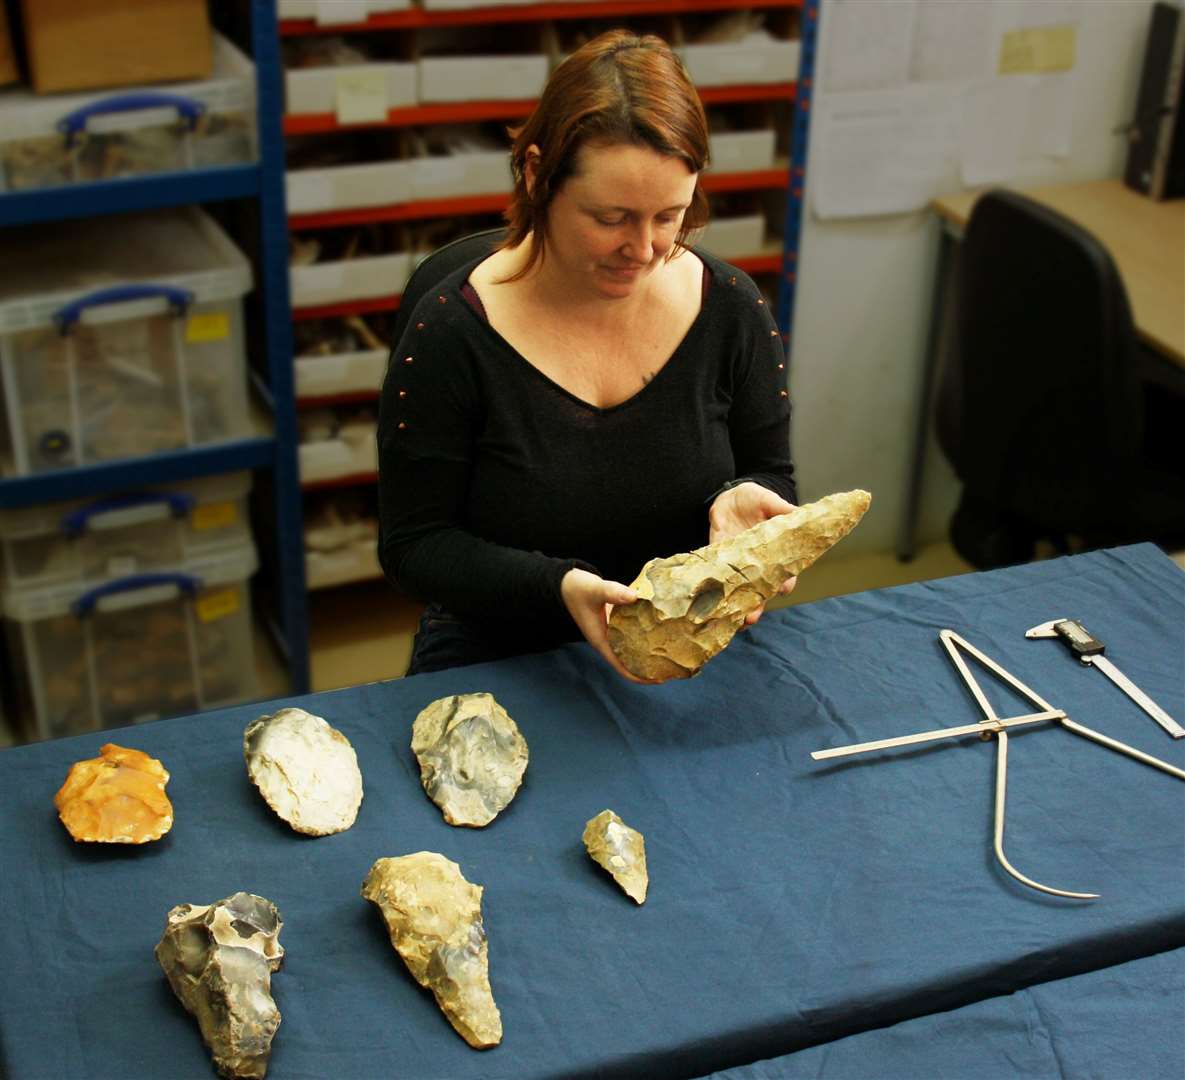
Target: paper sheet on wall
[
  {"x": 914, "y": 100},
  {"x": 1050, "y": 122},
  {"x": 993, "y": 126},
  {"x": 1037, "y": 41},
  {"x": 883, "y": 152},
  {"x": 952, "y": 42},
  {"x": 868, "y": 44}
]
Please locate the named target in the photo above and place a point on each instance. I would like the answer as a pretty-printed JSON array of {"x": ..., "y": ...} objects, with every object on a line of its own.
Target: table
[
  {"x": 792, "y": 903},
  {"x": 1062, "y": 1028},
  {"x": 1146, "y": 239}
]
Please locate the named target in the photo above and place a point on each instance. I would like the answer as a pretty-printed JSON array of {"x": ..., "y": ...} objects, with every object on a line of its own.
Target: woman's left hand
[{"x": 740, "y": 508}]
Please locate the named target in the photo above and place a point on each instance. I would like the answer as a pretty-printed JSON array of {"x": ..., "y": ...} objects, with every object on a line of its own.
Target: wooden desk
[{"x": 1145, "y": 238}]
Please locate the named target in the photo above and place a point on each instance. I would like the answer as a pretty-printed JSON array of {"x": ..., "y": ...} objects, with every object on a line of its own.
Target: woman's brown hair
[{"x": 617, "y": 88}]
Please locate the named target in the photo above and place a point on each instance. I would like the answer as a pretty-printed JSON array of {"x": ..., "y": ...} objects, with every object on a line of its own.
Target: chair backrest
[
  {"x": 1039, "y": 401},
  {"x": 434, "y": 268}
]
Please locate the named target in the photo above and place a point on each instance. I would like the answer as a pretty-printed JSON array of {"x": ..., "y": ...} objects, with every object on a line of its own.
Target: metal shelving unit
[
  {"x": 799, "y": 142},
  {"x": 788, "y": 175},
  {"x": 275, "y": 451}
]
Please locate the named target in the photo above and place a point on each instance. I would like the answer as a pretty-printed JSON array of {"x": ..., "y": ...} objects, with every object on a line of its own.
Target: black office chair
[
  {"x": 434, "y": 268},
  {"x": 1040, "y": 408}
]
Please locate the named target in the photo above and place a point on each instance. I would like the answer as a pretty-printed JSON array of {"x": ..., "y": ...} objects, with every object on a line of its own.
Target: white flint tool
[{"x": 1089, "y": 650}]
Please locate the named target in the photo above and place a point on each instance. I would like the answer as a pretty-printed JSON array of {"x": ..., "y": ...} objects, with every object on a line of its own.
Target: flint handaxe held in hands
[{"x": 689, "y": 606}]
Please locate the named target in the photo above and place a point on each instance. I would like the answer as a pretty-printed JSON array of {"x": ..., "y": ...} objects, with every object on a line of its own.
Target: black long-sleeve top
[{"x": 494, "y": 481}]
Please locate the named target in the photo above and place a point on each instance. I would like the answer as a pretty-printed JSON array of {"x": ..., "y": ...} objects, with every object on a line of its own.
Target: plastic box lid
[
  {"x": 43, "y": 267},
  {"x": 49, "y": 601},
  {"x": 230, "y": 88},
  {"x": 45, "y": 519}
]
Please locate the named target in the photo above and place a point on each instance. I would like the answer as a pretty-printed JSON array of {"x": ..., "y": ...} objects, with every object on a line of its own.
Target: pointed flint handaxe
[
  {"x": 690, "y": 606},
  {"x": 433, "y": 916}
]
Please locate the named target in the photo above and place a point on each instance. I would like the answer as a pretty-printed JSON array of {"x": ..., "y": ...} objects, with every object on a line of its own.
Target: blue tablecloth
[
  {"x": 791, "y": 903},
  {"x": 1125, "y": 1022}
]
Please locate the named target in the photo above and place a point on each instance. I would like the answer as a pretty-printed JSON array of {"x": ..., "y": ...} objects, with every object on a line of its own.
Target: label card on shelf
[
  {"x": 213, "y": 516},
  {"x": 361, "y": 96},
  {"x": 211, "y": 326},
  {"x": 218, "y": 605}
]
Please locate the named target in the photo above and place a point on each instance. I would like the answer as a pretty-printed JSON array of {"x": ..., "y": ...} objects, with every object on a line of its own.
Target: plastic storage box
[
  {"x": 733, "y": 237},
  {"x": 338, "y": 12},
  {"x": 119, "y": 337},
  {"x": 364, "y": 277},
  {"x": 75, "y": 138},
  {"x": 342, "y": 373},
  {"x": 322, "y": 89},
  {"x": 344, "y": 187},
  {"x": 134, "y": 649},
  {"x": 87, "y": 541},
  {"x": 482, "y": 63}
]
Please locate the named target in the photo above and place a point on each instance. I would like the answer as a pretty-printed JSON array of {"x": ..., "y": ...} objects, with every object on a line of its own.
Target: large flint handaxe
[{"x": 689, "y": 606}]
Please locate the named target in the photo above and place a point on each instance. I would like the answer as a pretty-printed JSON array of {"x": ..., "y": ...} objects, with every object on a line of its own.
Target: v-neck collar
[{"x": 675, "y": 355}]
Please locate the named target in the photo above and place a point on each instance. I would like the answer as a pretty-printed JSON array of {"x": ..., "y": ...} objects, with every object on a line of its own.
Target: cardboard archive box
[
  {"x": 9, "y": 72},
  {"x": 82, "y": 44}
]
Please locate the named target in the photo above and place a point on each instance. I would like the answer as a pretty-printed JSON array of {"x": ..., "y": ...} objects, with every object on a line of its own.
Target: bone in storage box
[
  {"x": 88, "y": 541},
  {"x": 78, "y": 138},
  {"x": 119, "y": 336},
  {"x": 138, "y": 648}
]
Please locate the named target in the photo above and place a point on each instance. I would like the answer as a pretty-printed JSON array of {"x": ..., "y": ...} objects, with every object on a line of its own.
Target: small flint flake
[{"x": 611, "y": 843}]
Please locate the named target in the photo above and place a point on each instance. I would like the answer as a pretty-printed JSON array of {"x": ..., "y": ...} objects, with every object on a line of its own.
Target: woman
[{"x": 591, "y": 395}]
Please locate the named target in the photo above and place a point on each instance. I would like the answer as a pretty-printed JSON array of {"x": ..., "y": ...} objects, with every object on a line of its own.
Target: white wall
[{"x": 863, "y": 300}]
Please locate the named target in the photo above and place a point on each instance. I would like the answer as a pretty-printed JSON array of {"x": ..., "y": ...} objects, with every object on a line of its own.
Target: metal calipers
[{"x": 998, "y": 726}]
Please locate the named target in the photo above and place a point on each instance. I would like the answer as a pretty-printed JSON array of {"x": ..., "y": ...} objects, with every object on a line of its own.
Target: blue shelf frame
[
  {"x": 278, "y": 452},
  {"x": 129, "y": 194},
  {"x": 79, "y": 483},
  {"x": 292, "y": 629},
  {"x": 796, "y": 189}
]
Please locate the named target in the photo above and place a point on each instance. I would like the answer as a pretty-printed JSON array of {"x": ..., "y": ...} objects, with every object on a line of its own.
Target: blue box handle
[
  {"x": 68, "y": 315},
  {"x": 85, "y": 604},
  {"x": 72, "y": 123},
  {"x": 74, "y": 524}
]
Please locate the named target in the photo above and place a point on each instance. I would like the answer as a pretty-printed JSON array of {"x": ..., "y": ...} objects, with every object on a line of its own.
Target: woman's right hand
[{"x": 589, "y": 599}]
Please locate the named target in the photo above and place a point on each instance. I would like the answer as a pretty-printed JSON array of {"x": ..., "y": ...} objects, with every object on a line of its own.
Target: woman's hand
[
  {"x": 740, "y": 508},
  {"x": 589, "y": 599}
]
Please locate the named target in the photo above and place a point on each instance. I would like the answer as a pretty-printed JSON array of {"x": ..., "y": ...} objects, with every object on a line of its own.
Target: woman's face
[{"x": 613, "y": 221}]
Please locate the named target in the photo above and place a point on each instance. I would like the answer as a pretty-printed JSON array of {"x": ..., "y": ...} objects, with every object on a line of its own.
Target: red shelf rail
[
  {"x": 757, "y": 180},
  {"x": 352, "y": 480},
  {"x": 417, "y": 18},
  {"x": 766, "y": 262},
  {"x": 347, "y": 307},
  {"x": 475, "y": 111},
  {"x": 351, "y": 397}
]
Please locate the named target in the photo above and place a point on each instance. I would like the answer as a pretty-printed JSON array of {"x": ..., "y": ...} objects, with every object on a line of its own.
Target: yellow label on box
[
  {"x": 211, "y": 326},
  {"x": 214, "y": 516},
  {"x": 1039, "y": 51},
  {"x": 217, "y": 605},
  {"x": 361, "y": 96}
]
